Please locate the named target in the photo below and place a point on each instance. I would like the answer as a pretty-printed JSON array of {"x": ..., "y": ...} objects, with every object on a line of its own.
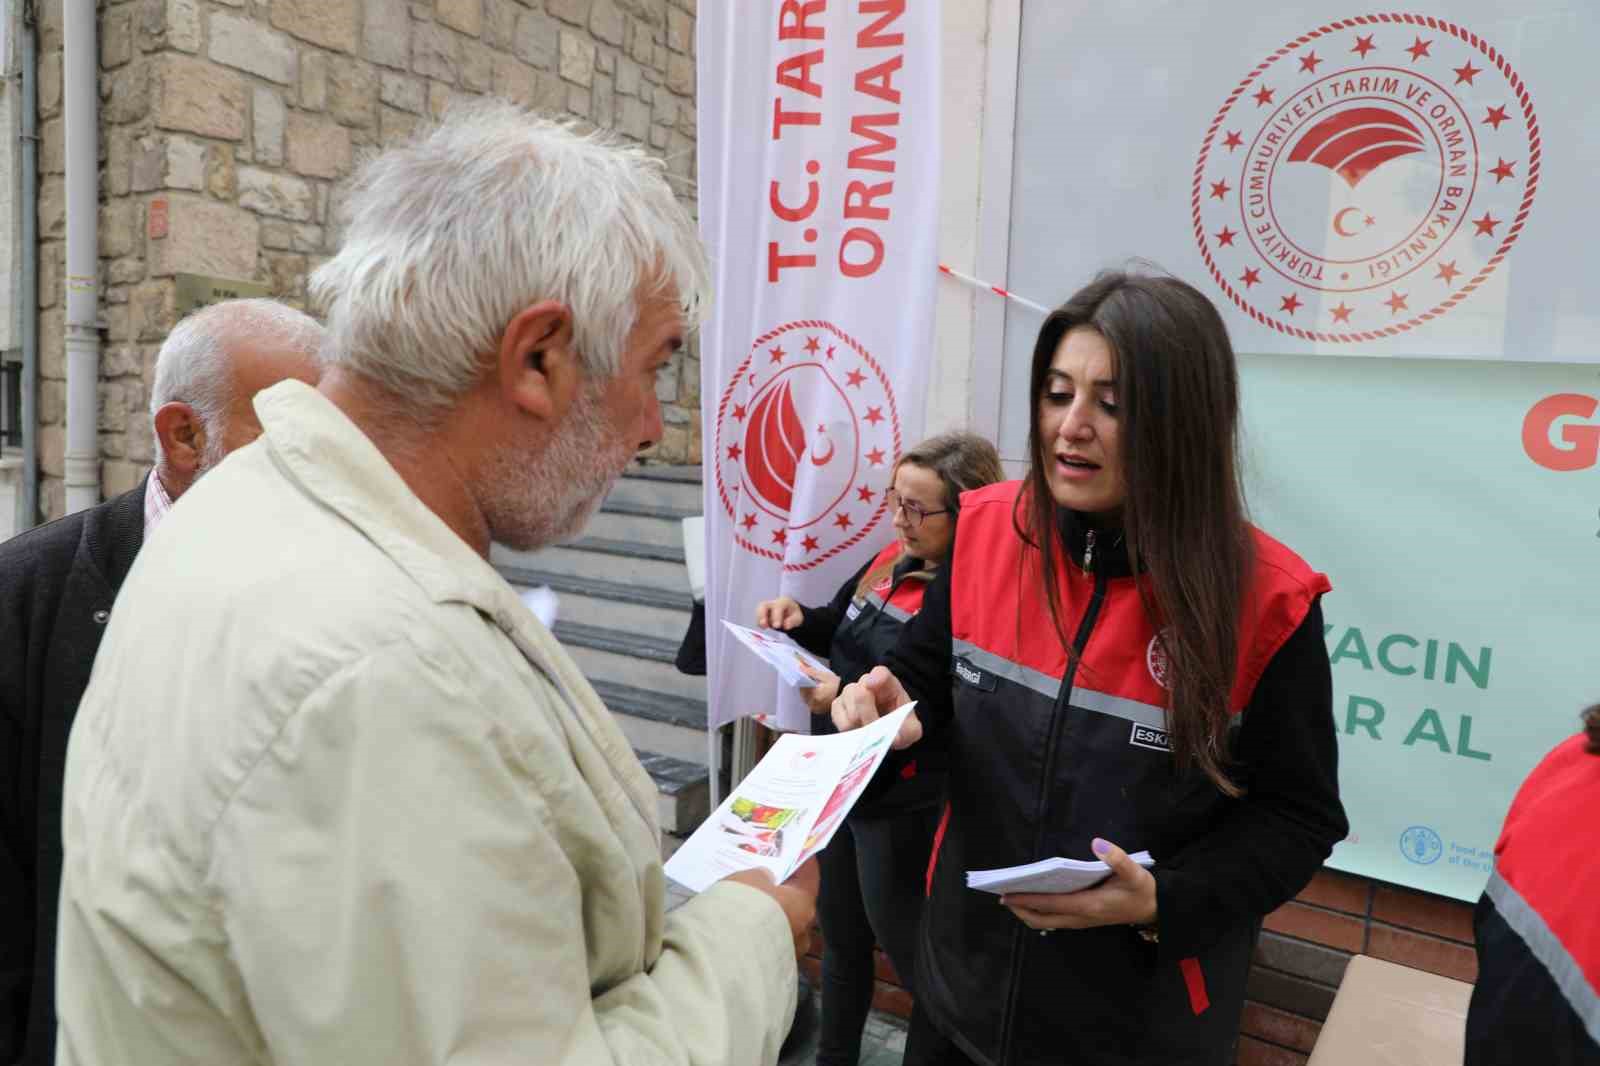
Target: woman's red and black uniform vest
[
  {"x": 855, "y": 631},
  {"x": 1537, "y": 997},
  {"x": 1046, "y": 753}
]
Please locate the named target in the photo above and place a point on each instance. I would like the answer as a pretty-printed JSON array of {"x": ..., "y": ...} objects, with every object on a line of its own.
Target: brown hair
[
  {"x": 962, "y": 461},
  {"x": 1591, "y": 727},
  {"x": 1184, "y": 516}
]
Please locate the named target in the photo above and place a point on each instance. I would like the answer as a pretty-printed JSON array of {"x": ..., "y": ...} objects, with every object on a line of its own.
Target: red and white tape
[{"x": 997, "y": 290}]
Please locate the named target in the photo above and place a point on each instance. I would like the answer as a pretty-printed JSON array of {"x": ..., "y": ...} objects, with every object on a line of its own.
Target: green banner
[{"x": 1456, "y": 508}]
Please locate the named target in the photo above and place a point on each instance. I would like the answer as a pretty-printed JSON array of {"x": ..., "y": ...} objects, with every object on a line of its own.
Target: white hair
[
  {"x": 192, "y": 366},
  {"x": 449, "y": 236}
]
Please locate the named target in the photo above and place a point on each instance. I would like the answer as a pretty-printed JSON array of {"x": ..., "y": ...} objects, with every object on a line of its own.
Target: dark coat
[{"x": 57, "y": 583}]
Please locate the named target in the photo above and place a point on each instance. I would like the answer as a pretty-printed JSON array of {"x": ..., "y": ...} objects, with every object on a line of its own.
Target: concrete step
[
  {"x": 661, "y": 486},
  {"x": 658, "y": 721},
  {"x": 597, "y": 559},
  {"x": 639, "y": 523},
  {"x": 612, "y": 605},
  {"x": 682, "y": 789}
]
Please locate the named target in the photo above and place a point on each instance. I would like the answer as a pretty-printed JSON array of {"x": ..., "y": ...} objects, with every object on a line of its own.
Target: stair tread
[
  {"x": 604, "y": 638},
  {"x": 649, "y": 510},
  {"x": 659, "y": 706},
  {"x": 671, "y": 775},
  {"x": 634, "y": 548},
  {"x": 641, "y": 595},
  {"x": 690, "y": 474}
]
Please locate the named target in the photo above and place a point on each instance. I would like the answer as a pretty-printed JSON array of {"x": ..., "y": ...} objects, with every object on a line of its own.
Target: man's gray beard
[{"x": 532, "y": 502}]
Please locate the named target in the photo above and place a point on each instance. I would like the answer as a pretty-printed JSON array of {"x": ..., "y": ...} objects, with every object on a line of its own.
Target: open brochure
[
  {"x": 789, "y": 806},
  {"x": 1048, "y": 875},
  {"x": 781, "y": 652}
]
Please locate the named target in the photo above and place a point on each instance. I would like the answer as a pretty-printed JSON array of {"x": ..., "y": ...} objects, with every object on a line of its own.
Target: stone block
[
  {"x": 605, "y": 62},
  {"x": 627, "y": 77},
  {"x": 113, "y": 413},
  {"x": 183, "y": 25},
  {"x": 286, "y": 276},
  {"x": 169, "y": 162},
  {"x": 207, "y": 237},
  {"x": 125, "y": 94},
  {"x": 577, "y": 58},
  {"x": 138, "y": 442},
  {"x": 440, "y": 98},
  {"x": 268, "y": 117},
  {"x": 279, "y": 236},
  {"x": 395, "y": 126},
  {"x": 605, "y": 21},
  {"x": 274, "y": 195},
  {"x": 119, "y": 160},
  {"x": 53, "y": 450},
  {"x": 52, "y": 146},
  {"x": 247, "y": 45},
  {"x": 195, "y": 96},
  {"x": 658, "y": 137},
  {"x": 152, "y": 310},
  {"x": 680, "y": 31},
  {"x": 434, "y": 52},
  {"x": 407, "y": 93},
  {"x": 52, "y": 402},
  {"x": 118, "y": 475},
  {"x": 573, "y": 11},
  {"x": 680, "y": 74},
  {"x": 331, "y": 23},
  {"x": 52, "y": 264},
  {"x": 221, "y": 173},
  {"x": 116, "y": 38},
  {"x": 52, "y": 208},
  {"x": 49, "y": 84},
  {"x": 500, "y": 24},
  {"x": 126, "y": 271},
  {"x": 386, "y": 36},
  {"x": 118, "y": 360},
  {"x": 308, "y": 238},
  {"x": 538, "y": 39},
  {"x": 477, "y": 66},
  {"x": 603, "y": 101},
  {"x": 633, "y": 118},
  {"x": 353, "y": 93},
  {"x": 53, "y": 344},
  {"x": 680, "y": 154},
  {"x": 514, "y": 80},
  {"x": 578, "y": 101},
  {"x": 317, "y": 147},
  {"x": 464, "y": 16},
  {"x": 116, "y": 229},
  {"x": 641, "y": 45},
  {"x": 313, "y": 81}
]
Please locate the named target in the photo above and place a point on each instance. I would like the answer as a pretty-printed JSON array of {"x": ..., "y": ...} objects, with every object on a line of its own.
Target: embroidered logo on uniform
[
  {"x": 1155, "y": 660},
  {"x": 1145, "y": 737},
  {"x": 973, "y": 676}
]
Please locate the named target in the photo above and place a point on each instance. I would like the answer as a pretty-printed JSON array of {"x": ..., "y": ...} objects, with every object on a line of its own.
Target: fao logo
[
  {"x": 1421, "y": 845},
  {"x": 807, "y": 433},
  {"x": 1366, "y": 177}
]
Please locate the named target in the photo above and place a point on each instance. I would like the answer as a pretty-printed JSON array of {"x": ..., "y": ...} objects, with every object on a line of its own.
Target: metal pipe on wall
[
  {"x": 81, "y": 90},
  {"x": 28, "y": 294}
]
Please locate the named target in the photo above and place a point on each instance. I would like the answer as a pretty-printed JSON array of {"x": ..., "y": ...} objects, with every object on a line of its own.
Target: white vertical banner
[{"x": 819, "y": 195}]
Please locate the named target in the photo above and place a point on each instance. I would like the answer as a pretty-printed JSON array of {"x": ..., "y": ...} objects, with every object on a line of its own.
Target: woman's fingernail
[{"x": 1100, "y": 847}]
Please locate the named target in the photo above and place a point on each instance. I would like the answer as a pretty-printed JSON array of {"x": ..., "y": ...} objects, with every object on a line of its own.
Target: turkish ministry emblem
[
  {"x": 807, "y": 433},
  {"x": 1366, "y": 177}
]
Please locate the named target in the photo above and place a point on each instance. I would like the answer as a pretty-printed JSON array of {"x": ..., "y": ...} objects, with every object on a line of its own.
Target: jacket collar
[
  {"x": 113, "y": 533},
  {"x": 1110, "y": 554}
]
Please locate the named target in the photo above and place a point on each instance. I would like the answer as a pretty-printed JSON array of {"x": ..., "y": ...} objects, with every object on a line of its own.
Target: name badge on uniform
[
  {"x": 851, "y": 611},
  {"x": 973, "y": 676},
  {"x": 1145, "y": 737}
]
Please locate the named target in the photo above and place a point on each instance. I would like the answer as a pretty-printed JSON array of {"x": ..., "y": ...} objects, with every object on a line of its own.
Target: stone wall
[{"x": 226, "y": 126}]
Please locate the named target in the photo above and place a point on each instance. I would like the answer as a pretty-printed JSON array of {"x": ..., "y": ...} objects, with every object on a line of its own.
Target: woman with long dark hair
[
  {"x": 872, "y": 869},
  {"x": 1115, "y": 660}
]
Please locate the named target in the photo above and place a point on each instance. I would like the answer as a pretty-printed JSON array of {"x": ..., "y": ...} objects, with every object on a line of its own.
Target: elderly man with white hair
[
  {"x": 336, "y": 796},
  {"x": 57, "y": 586}
]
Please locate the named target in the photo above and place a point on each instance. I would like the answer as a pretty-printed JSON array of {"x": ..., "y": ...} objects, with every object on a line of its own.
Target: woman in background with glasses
[{"x": 872, "y": 870}]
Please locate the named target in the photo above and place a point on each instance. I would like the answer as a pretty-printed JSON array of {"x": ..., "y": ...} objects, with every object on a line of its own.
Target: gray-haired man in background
[{"x": 57, "y": 585}]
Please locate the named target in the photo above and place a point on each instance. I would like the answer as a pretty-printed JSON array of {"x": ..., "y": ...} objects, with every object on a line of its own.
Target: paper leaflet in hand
[
  {"x": 779, "y": 650},
  {"x": 789, "y": 806},
  {"x": 1048, "y": 875}
]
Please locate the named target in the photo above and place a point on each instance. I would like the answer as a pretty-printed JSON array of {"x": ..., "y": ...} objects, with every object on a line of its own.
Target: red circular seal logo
[
  {"x": 1366, "y": 177},
  {"x": 807, "y": 432}
]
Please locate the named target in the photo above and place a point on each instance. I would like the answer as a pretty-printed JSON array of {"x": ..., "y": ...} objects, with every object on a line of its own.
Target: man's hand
[
  {"x": 1127, "y": 897},
  {"x": 782, "y": 613},
  {"x": 869, "y": 699},
  {"x": 797, "y": 896},
  {"x": 819, "y": 697}
]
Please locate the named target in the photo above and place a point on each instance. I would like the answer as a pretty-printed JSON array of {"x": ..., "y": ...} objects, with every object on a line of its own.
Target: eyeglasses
[{"x": 914, "y": 514}]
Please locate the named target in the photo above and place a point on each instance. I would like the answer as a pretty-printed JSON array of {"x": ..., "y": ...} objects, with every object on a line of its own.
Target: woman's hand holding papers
[
  {"x": 819, "y": 698},
  {"x": 877, "y": 693},
  {"x": 782, "y": 613},
  {"x": 1127, "y": 897}
]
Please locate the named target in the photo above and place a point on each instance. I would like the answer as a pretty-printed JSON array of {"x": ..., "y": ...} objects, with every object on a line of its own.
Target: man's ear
[
  {"x": 539, "y": 369},
  {"x": 182, "y": 437}
]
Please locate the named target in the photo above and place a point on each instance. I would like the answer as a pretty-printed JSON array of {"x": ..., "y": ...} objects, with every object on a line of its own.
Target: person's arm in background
[{"x": 1279, "y": 834}]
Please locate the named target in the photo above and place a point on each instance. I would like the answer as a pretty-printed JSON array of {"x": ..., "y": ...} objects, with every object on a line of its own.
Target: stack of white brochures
[
  {"x": 781, "y": 653},
  {"x": 789, "y": 806},
  {"x": 1048, "y": 875}
]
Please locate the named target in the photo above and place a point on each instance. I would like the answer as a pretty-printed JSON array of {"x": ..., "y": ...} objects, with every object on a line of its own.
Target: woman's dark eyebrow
[{"x": 1064, "y": 376}]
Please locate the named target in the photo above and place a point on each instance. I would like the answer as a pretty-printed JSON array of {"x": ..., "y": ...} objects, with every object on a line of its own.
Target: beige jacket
[{"x": 334, "y": 796}]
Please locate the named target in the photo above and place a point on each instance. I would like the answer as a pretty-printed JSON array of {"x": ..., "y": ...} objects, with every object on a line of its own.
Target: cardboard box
[{"x": 1389, "y": 1015}]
